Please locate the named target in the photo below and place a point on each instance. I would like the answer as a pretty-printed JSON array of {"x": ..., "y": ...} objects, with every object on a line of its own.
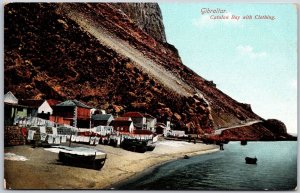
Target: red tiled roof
[
  {"x": 133, "y": 114},
  {"x": 53, "y": 102},
  {"x": 123, "y": 119}
]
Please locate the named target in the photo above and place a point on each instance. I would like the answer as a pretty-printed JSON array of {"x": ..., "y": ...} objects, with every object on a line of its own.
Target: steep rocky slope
[
  {"x": 112, "y": 56},
  {"x": 147, "y": 16}
]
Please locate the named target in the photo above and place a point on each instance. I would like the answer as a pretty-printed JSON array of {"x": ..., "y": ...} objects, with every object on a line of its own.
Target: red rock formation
[{"x": 147, "y": 16}]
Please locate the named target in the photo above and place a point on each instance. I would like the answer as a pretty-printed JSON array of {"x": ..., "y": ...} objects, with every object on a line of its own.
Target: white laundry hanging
[
  {"x": 57, "y": 140},
  {"x": 50, "y": 139},
  {"x": 30, "y": 134},
  {"x": 43, "y": 136},
  {"x": 64, "y": 139}
]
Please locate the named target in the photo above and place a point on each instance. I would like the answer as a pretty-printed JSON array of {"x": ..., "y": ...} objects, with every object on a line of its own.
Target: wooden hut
[{"x": 74, "y": 113}]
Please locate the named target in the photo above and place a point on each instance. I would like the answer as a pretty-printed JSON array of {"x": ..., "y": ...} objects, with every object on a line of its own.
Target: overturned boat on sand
[{"x": 82, "y": 157}]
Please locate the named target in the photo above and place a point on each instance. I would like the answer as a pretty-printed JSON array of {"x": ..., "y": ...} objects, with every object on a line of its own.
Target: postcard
[{"x": 150, "y": 96}]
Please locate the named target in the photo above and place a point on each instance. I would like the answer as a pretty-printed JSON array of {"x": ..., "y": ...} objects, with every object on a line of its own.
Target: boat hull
[
  {"x": 134, "y": 145},
  {"x": 150, "y": 147},
  {"x": 85, "y": 161},
  {"x": 250, "y": 160},
  {"x": 243, "y": 142}
]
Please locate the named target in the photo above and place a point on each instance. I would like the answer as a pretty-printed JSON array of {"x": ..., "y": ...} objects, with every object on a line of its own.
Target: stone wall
[{"x": 13, "y": 136}]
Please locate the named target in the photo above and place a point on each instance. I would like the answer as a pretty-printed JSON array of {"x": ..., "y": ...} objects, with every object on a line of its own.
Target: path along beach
[{"x": 43, "y": 171}]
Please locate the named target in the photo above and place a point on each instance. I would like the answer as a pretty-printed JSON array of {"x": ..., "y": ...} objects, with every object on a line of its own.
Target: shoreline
[
  {"x": 148, "y": 170},
  {"x": 42, "y": 171},
  {"x": 163, "y": 159}
]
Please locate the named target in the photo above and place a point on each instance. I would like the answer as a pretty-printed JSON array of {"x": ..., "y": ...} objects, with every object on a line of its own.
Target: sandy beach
[{"x": 43, "y": 171}]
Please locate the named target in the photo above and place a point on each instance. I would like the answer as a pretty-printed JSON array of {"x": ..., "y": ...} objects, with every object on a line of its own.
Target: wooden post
[{"x": 70, "y": 141}]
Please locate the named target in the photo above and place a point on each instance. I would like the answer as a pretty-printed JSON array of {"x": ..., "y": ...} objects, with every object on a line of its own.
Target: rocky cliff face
[
  {"x": 147, "y": 16},
  {"x": 267, "y": 130},
  {"x": 111, "y": 56}
]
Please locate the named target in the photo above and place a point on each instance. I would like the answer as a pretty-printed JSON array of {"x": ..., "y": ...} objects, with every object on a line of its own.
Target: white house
[
  {"x": 10, "y": 98},
  {"x": 45, "y": 108},
  {"x": 150, "y": 122},
  {"x": 37, "y": 107},
  {"x": 101, "y": 119},
  {"x": 104, "y": 130},
  {"x": 122, "y": 125},
  {"x": 167, "y": 128},
  {"x": 138, "y": 119}
]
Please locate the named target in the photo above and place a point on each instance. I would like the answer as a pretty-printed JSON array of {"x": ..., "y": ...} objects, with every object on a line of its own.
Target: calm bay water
[{"x": 276, "y": 169}]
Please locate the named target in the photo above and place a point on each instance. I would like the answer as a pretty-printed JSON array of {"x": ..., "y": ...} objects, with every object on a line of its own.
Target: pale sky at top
[{"x": 253, "y": 61}]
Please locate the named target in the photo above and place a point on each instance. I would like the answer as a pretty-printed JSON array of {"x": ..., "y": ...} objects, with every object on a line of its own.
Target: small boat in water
[
  {"x": 250, "y": 160},
  {"x": 186, "y": 157},
  {"x": 82, "y": 157},
  {"x": 244, "y": 142}
]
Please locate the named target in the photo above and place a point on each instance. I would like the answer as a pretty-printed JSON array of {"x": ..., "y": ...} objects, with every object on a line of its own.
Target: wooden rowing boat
[{"x": 82, "y": 157}]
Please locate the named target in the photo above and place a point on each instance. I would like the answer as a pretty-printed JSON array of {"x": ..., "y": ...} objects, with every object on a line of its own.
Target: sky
[{"x": 252, "y": 60}]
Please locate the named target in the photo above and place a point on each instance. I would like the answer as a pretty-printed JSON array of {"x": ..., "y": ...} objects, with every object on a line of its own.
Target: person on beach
[{"x": 221, "y": 146}]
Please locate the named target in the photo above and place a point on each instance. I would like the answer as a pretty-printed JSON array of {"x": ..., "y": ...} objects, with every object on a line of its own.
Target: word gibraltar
[{"x": 207, "y": 10}]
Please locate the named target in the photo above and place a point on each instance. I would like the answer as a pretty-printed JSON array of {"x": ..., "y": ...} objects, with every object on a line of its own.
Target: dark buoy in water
[
  {"x": 250, "y": 160},
  {"x": 244, "y": 142}
]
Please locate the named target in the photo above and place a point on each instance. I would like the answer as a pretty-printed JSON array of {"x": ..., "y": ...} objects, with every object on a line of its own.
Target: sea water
[{"x": 276, "y": 169}]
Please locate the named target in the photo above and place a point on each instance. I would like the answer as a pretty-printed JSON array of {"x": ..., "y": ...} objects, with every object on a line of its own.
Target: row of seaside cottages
[{"x": 79, "y": 116}]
